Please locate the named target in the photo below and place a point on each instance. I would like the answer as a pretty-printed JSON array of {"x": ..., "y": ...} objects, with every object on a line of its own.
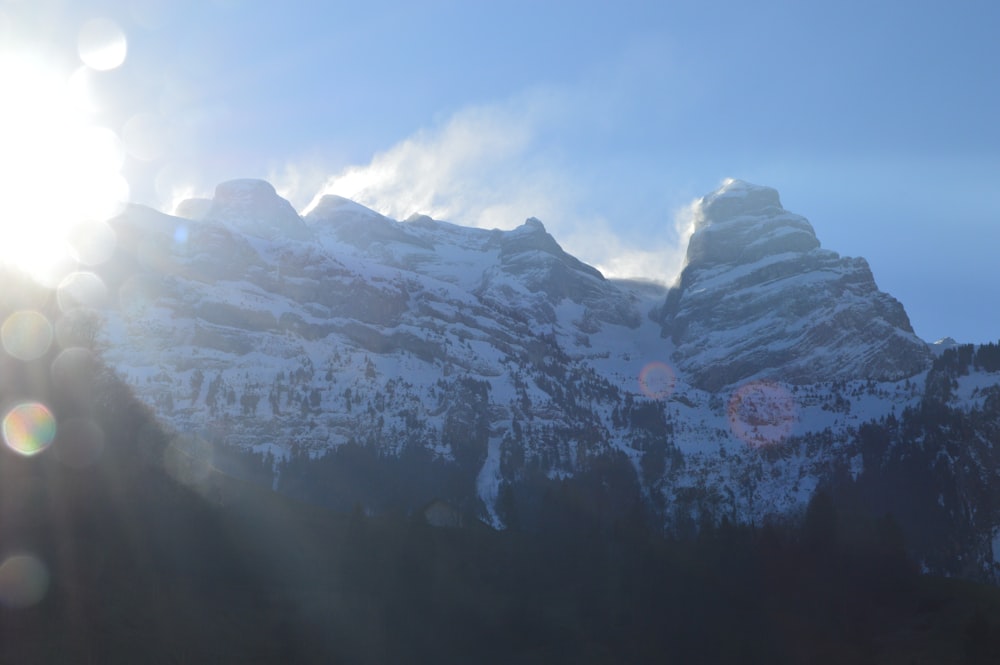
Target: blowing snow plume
[{"x": 493, "y": 167}]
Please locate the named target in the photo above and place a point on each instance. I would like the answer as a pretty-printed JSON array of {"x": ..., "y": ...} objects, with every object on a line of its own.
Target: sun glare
[{"x": 58, "y": 168}]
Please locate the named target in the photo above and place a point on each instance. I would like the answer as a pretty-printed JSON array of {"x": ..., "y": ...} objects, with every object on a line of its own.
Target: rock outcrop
[{"x": 759, "y": 298}]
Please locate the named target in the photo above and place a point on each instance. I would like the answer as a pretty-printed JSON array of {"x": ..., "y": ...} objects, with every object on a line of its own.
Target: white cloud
[
  {"x": 659, "y": 260},
  {"x": 493, "y": 166},
  {"x": 477, "y": 169},
  {"x": 660, "y": 264},
  {"x": 172, "y": 193},
  {"x": 298, "y": 182}
]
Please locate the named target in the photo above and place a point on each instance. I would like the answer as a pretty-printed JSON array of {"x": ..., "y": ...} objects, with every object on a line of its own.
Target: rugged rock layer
[
  {"x": 347, "y": 358},
  {"x": 759, "y": 298}
]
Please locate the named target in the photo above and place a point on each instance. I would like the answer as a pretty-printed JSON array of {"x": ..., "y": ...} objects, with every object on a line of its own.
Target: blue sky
[{"x": 876, "y": 121}]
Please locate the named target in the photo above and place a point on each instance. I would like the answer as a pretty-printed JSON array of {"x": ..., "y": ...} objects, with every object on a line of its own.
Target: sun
[{"x": 59, "y": 169}]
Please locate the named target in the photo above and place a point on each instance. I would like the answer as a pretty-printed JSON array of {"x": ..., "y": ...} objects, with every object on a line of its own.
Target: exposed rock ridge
[{"x": 759, "y": 298}]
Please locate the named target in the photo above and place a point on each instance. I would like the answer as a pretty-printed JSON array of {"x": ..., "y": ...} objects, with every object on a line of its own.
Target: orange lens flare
[
  {"x": 657, "y": 380},
  {"x": 762, "y": 413}
]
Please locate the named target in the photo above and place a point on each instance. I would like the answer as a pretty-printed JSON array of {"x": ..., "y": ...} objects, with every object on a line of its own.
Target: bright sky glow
[
  {"x": 875, "y": 121},
  {"x": 58, "y": 169}
]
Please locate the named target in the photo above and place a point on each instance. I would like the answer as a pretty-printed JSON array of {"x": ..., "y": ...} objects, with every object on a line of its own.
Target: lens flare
[
  {"x": 102, "y": 44},
  {"x": 657, "y": 380},
  {"x": 24, "y": 581},
  {"x": 26, "y": 335},
  {"x": 189, "y": 460},
  {"x": 81, "y": 289},
  {"x": 29, "y": 428},
  {"x": 762, "y": 413}
]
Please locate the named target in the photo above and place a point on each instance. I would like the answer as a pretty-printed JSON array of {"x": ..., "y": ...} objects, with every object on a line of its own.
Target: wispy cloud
[
  {"x": 659, "y": 259},
  {"x": 299, "y": 181},
  {"x": 494, "y": 165},
  {"x": 479, "y": 168}
]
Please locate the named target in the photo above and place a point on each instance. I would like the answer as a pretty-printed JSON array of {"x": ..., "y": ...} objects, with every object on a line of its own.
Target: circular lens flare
[
  {"x": 657, "y": 380},
  {"x": 81, "y": 289},
  {"x": 24, "y": 581},
  {"x": 102, "y": 44},
  {"x": 26, "y": 335},
  {"x": 29, "y": 428},
  {"x": 189, "y": 460},
  {"x": 762, "y": 413}
]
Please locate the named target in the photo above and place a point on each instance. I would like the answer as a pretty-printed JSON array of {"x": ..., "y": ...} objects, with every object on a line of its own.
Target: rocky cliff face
[
  {"x": 359, "y": 359},
  {"x": 759, "y": 298},
  {"x": 280, "y": 314}
]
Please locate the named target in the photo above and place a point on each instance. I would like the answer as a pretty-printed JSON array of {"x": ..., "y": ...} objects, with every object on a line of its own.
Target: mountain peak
[
  {"x": 759, "y": 298},
  {"x": 738, "y": 197},
  {"x": 332, "y": 204},
  {"x": 194, "y": 208},
  {"x": 244, "y": 188},
  {"x": 254, "y": 207},
  {"x": 741, "y": 223}
]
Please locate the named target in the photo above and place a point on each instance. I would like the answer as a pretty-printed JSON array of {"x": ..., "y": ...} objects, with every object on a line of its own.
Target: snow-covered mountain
[
  {"x": 368, "y": 360},
  {"x": 760, "y": 298}
]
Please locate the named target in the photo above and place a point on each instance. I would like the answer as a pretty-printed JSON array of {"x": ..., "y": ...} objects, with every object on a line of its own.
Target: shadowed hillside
[{"x": 122, "y": 543}]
